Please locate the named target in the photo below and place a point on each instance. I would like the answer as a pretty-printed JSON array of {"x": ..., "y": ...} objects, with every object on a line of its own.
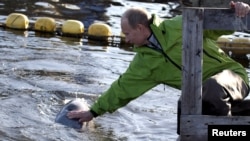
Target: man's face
[{"x": 135, "y": 35}]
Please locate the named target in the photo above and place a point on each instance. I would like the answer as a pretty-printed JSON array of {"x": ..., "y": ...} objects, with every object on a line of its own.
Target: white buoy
[{"x": 17, "y": 21}]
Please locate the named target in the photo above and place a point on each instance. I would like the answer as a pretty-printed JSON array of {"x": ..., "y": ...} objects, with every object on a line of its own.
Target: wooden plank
[
  {"x": 212, "y": 3},
  {"x": 192, "y": 138},
  {"x": 225, "y": 19},
  {"x": 198, "y": 124},
  {"x": 191, "y": 61},
  {"x": 222, "y": 19}
]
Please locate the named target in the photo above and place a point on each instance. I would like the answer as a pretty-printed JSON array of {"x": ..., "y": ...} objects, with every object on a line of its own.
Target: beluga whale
[{"x": 75, "y": 104}]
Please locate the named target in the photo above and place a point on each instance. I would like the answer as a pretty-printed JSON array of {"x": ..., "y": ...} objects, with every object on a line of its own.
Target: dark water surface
[{"x": 39, "y": 73}]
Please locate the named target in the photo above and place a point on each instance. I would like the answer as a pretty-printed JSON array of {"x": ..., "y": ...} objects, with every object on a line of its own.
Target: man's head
[{"x": 135, "y": 26}]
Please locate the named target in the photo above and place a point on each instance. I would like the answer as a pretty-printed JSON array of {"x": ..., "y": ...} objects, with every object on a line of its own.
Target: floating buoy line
[
  {"x": 100, "y": 33},
  {"x": 97, "y": 32}
]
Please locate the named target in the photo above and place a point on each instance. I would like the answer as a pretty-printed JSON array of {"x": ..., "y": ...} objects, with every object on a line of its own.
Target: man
[{"x": 158, "y": 44}]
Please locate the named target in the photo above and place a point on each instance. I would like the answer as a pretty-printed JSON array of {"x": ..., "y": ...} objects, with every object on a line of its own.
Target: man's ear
[{"x": 140, "y": 27}]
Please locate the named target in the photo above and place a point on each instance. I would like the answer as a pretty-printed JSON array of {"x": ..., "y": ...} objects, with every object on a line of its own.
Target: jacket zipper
[
  {"x": 164, "y": 54},
  {"x": 205, "y": 52},
  {"x": 167, "y": 58}
]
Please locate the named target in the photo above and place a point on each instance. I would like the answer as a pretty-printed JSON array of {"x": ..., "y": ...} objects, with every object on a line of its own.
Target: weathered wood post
[
  {"x": 192, "y": 62},
  {"x": 193, "y": 125}
]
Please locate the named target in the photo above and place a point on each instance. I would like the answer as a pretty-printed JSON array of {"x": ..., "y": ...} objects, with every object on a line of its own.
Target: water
[{"x": 39, "y": 73}]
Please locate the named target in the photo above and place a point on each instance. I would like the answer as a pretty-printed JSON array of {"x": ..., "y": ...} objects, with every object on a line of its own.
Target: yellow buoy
[
  {"x": 122, "y": 36},
  {"x": 17, "y": 21},
  {"x": 99, "y": 29},
  {"x": 45, "y": 24},
  {"x": 240, "y": 45},
  {"x": 223, "y": 41},
  {"x": 243, "y": 40},
  {"x": 72, "y": 27}
]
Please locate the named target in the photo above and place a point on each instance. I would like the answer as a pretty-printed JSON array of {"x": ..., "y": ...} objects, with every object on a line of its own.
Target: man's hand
[
  {"x": 84, "y": 116},
  {"x": 241, "y": 8}
]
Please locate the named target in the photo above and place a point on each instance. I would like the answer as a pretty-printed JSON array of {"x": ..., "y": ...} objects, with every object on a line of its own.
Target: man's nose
[{"x": 127, "y": 40}]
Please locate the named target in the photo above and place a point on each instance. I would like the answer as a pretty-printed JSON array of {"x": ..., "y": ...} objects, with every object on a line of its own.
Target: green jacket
[{"x": 150, "y": 68}]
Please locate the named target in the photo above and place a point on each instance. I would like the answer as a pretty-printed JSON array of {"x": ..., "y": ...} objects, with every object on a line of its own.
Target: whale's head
[{"x": 75, "y": 104}]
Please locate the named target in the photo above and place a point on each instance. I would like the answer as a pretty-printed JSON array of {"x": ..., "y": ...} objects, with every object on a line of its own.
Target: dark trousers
[{"x": 219, "y": 94}]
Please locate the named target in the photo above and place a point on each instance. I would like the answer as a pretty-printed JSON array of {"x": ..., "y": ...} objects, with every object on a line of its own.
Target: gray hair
[{"x": 137, "y": 15}]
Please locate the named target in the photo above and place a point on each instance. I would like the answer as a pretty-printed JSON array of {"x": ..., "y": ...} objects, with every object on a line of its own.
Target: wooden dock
[{"x": 193, "y": 125}]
